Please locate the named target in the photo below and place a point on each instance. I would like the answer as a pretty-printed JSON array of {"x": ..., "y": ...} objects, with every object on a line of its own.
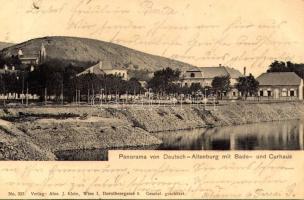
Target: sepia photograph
[{"x": 81, "y": 78}]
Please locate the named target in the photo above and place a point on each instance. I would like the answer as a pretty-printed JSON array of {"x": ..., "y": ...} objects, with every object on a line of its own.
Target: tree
[
  {"x": 164, "y": 81},
  {"x": 134, "y": 86},
  {"x": 140, "y": 74},
  {"x": 280, "y": 66},
  {"x": 221, "y": 85},
  {"x": 247, "y": 85},
  {"x": 2, "y": 60},
  {"x": 2, "y": 84},
  {"x": 194, "y": 88}
]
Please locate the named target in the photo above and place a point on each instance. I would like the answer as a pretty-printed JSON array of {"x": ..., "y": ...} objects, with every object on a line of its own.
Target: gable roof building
[
  {"x": 280, "y": 85},
  {"x": 205, "y": 75},
  {"x": 211, "y": 72},
  {"x": 103, "y": 68},
  {"x": 279, "y": 79}
]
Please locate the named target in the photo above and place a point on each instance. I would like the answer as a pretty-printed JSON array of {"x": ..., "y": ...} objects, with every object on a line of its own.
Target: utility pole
[
  {"x": 22, "y": 89},
  {"x": 100, "y": 97},
  {"x": 93, "y": 96},
  {"x": 205, "y": 100},
  {"x": 76, "y": 91},
  {"x": 45, "y": 95},
  {"x": 26, "y": 93},
  {"x": 5, "y": 96},
  {"x": 88, "y": 96},
  {"x": 79, "y": 97},
  {"x": 181, "y": 102},
  {"x": 116, "y": 99},
  {"x": 149, "y": 98},
  {"x": 61, "y": 95},
  {"x": 134, "y": 96},
  {"x": 142, "y": 99}
]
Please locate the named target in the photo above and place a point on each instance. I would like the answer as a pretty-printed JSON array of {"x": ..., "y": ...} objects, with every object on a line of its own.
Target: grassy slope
[
  {"x": 85, "y": 50},
  {"x": 4, "y": 45}
]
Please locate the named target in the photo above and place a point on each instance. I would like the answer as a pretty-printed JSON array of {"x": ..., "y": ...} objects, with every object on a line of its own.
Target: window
[
  {"x": 292, "y": 93},
  {"x": 284, "y": 92},
  {"x": 261, "y": 93},
  {"x": 269, "y": 93},
  {"x": 234, "y": 94},
  {"x": 192, "y": 75},
  {"x": 186, "y": 84}
]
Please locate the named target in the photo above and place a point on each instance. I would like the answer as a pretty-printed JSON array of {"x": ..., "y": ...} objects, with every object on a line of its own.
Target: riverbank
[
  {"x": 39, "y": 133},
  {"x": 176, "y": 118}
]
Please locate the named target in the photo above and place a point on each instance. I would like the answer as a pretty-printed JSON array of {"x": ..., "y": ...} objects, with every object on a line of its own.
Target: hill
[
  {"x": 90, "y": 50},
  {"x": 4, "y": 45}
]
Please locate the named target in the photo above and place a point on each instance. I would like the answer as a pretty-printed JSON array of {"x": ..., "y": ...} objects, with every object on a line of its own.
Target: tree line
[
  {"x": 59, "y": 78},
  {"x": 166, "y": 81},
  {"x": 55, "y": 78}
]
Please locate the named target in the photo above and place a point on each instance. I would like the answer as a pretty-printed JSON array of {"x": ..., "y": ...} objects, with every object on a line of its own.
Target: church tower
[{"x": 42, "y": 56}]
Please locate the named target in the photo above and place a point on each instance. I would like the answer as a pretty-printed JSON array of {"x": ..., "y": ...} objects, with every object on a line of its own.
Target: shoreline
[{"x": 51, "y": 129}]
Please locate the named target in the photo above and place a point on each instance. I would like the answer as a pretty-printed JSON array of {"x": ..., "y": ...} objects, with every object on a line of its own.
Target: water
[{"x": 283, "y": 135}]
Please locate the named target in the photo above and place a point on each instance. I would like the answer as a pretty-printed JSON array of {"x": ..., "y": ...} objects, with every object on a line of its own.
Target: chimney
[{"x": 244, "y": 71}]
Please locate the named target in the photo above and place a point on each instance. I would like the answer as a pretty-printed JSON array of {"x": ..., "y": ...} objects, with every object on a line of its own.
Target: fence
[{"x": 13, "y": 99}]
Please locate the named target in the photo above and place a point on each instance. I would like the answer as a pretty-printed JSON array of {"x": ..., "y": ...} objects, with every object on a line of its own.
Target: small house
[{"x": 280, "y": 86}]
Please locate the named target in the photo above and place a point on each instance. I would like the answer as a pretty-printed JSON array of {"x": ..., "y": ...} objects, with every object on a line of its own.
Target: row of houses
[
  {"x": 275, "y": 85},
  {"x": 278, "y": 85}
]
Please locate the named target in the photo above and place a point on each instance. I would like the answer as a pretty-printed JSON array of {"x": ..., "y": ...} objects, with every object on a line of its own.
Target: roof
[
  {"x": 94, "y": 70},
  {"x": 195, "y": 69},
  {"x": 211, "y": 72},
  {"x": 106, "y": 65},
  {"x": 100, "y": 68},
  {"x": 28, "y": 58},
  {"x": 233, "y": 72},
  {"x": 279, "y": 78}
]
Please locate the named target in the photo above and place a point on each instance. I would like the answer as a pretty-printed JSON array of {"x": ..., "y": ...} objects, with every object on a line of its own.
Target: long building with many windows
[
  {"x": 280, "y": 86},
  {"x": 205, "y": 75}
]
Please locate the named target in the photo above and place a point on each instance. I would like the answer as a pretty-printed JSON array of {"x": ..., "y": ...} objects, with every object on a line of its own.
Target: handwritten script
[
  {"x": 200, "y": 33},
  {"x": 159, "y": 175}
]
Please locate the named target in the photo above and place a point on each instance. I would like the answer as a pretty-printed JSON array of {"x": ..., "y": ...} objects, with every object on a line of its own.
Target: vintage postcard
[{"x": 151, "y": 99}]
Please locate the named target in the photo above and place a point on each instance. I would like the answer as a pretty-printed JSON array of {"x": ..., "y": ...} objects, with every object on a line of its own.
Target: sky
[{"x": 235, "y": 33}]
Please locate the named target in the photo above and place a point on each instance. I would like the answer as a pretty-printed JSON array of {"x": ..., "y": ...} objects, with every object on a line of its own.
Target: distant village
[{"x": 104, "y": 82}]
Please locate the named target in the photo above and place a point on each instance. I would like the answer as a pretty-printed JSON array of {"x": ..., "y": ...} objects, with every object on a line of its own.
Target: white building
[
  {"x": 205, "y": 75},
  {"x": 280, "y": 85},
  {"x": 102, "y": 68}
]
